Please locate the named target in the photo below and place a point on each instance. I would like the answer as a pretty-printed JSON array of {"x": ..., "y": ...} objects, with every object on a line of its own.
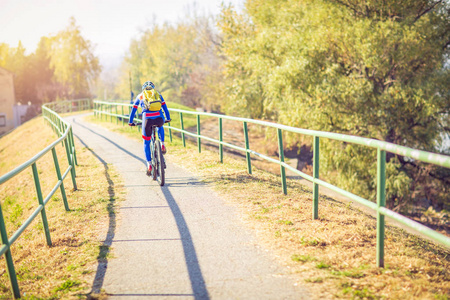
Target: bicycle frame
[{"x": 158, "y": 161}]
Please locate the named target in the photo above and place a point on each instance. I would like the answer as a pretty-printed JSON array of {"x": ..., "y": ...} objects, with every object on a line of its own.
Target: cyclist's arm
[
  {"x": 133, "y": 111},
  {"x": 166, "y": 110}
]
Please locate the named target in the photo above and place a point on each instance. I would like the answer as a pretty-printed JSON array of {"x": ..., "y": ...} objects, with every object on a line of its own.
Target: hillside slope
[{"x": 65, "y": 269}]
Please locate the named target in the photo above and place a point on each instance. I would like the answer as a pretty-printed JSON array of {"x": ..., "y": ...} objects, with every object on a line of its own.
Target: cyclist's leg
[
  {"x": 148, "y": 155},
  {"x": 161, "y": 129},
  {"x": 160, "y": 123},
  {"x": 146, "y": 136},
  {"x": 161, "y": 133}
]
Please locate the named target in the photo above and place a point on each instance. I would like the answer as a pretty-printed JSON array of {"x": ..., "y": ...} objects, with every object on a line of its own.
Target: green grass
[
  {"x": 359, "y": 293},
  {"x": 67, "y": 286},
  {"x": 351, "y": 273},
  {"x": 314, "y": 280},
  {"x": 302, "y": 258},
  {"x": 322, "y": 265},
  {"x": 285, "y": 222}
]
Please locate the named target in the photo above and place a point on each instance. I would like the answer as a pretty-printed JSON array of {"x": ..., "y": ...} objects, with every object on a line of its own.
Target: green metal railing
[
  {"x": 68, "y": 106},
  {"x": 381, "y": 147},
  {"x": 64, "y": 130}
]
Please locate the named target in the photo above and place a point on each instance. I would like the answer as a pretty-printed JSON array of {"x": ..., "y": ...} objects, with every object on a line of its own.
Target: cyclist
[{"x": 148, "y": 100}]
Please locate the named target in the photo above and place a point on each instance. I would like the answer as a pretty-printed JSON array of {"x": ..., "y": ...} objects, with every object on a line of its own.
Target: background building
[
  {"x": 7, "y": 101},
  {"x": 12, "y": 114}
]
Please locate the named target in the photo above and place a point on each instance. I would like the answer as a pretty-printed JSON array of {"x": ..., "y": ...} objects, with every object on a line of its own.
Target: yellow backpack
[{"x": 152, "y": 100}]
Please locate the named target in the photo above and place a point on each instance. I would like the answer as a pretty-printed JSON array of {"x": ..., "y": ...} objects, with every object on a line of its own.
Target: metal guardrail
[
  {"x": 102, "y": 108},
  {"x": 64, "y": 130}
]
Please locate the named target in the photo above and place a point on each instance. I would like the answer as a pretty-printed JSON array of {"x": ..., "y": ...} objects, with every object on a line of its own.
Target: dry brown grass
[
  {"x": 335, "y": 255},
  {"x": 67, "y": 268}
]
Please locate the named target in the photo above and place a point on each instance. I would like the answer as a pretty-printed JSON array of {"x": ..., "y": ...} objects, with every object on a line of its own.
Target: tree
[
  {"x": 47, "y": 90},
  {"x": 371, "y": 68},
  {"x": 74, "y": 63},
  {"x": 180, "y": 59}
]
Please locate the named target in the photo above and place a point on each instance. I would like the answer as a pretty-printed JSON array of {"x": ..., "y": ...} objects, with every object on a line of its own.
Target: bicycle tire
[
  {"x": 154, "y": 164},
  {"x": 159, "y": 162}
]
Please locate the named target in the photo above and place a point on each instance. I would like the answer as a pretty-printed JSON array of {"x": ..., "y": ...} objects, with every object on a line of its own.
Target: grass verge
[
  {"x": 335, "y": 255},
  {"x": 67, "y": 268}
]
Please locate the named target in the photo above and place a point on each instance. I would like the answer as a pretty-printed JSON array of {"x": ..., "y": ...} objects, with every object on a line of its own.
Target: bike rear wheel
[
  {"x": 159, "y": 163},
  {"x": 154, "y": 163}
]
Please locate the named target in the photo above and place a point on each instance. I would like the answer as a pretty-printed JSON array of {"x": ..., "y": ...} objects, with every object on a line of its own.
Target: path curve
[{"x": 180, "y": 241}]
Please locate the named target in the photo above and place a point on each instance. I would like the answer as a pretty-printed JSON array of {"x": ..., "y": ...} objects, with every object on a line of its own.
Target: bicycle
[{"x": 158, "y": 160}]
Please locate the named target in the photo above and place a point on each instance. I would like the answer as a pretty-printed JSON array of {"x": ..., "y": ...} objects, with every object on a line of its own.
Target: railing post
[
  {"x": 315, "y": 211},
  {"x": 381, "y": 202},
  {"x": 58, "y": 175},
  {"x": 117, "y": 118},
  {"x": 60, "y": 127},
  {"x": 57, "y": 126},
  {"x": 72, "y": 173},
  {"x": 199, "y": 142},
  {"x": 53, "y": 126},
  {"x": 170, "y": 133},
  {"x": 221, "y": 140},
  {"x": 8, "y": 258},
  {"x": 110, "y": 113},
  {"x": 123, "y": 117},
  {"x": 247, "y": 154},
  {"x": 182, "y": 130},
  {"x": 74, "y": 152},
  {"x": 282, "y": 168},
  {"x": 41, "y": 202}
]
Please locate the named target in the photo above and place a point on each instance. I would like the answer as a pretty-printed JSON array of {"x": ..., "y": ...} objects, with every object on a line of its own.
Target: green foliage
[{"x": 374, "y": 69}]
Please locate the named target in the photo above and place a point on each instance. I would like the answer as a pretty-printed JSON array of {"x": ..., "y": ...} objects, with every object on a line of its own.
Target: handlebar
[{"x": 136, "y": 124}]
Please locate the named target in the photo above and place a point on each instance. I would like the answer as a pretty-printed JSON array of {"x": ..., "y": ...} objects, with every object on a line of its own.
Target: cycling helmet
[{"x": 148, "y": 85}]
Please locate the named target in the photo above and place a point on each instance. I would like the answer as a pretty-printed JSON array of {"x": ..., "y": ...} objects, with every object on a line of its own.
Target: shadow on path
[
  {"x": 106, "y": 246},
  {"x": 190, "y": 255}
]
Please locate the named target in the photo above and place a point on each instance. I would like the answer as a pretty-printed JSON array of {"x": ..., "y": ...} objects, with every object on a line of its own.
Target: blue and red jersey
[{"x": 146, "y": 113}]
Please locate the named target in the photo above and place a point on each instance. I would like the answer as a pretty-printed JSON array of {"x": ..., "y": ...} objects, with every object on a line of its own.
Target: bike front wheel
[{"x": 159, "y": 162}]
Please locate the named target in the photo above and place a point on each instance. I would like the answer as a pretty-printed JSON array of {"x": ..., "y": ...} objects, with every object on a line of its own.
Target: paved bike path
[{"x": 180, "y": 241}]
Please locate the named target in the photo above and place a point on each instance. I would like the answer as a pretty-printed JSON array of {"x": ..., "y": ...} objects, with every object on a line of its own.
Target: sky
[{"x": 109, "y": 24}]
